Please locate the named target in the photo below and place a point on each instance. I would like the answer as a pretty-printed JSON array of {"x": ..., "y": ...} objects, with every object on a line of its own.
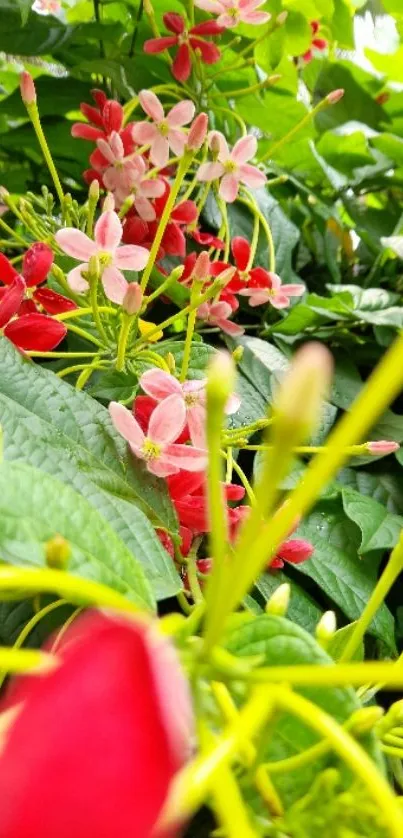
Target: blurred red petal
[
  {"x": 182, "y": 66},
  {"x": 11, "y": 300},
  {"x": 185, "y": 212},
  {"x": 37, "y": 263},
  {"x": 112, "y": 116},
  {"x": 86, "y": 132},
  {"x": 174, "y": 22},
  {"x": 209, "y": 52},
  {"x": 240, "y": 248},
  {"x": 208, "y": 27},
  {"x": 7, "y": 271},
  {"x": 35, "y": 332},
  {"x": 93, "y": 115},
  {"x": 52, "y": 302},
  {"x": 154, "y": 45}
]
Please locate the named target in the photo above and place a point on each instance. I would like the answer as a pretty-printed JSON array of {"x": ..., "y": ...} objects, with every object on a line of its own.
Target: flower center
[
  {"x": 191, "y": 399},
  {"x": 233, "y": 12},
  {"x": 243, "y": 275},
  {"x": 163, "y": 128},
  {"x": 150, "y": 449},
  {"x": 230, "y": 166},
  {"x": 183, "y": 38},
  {"x": 105, "y": 258}
]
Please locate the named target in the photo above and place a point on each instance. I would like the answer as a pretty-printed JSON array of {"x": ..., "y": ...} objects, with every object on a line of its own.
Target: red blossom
[
  {"x": 137, "y": 231},
  {"x": 103, "y": 119},
  {"x": 319, "y": 44},
  {"x": 187, "y": 42},
  {"x": 98, "y": 739},
  {"x": 29, "y": 331},
  {"x": 190, "y": 500},
  {"x": 36, "y": 265}
]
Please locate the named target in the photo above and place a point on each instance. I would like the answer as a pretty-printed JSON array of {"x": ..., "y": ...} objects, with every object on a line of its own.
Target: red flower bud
[
  {"x": 37, "y": 263},
  {"x": 334, "y": 96},
  {"x": 27, "y": 87}
]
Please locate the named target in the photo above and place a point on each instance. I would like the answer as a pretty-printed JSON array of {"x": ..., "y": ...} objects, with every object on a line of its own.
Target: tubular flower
[
  {"x": 164, "y": 132},
  {"x": 232, "y": 12},
  {"x": 112, "y": 258},
  {"x": 266, "y": 287},
  {"x": 158, "y": 448},
  {"x": 319, "y": 44},
  {"x": 232, "y": 166},
  {"x": 104, "y": 119},
  {"x": 31, "y": 331},
  {"x": 98, "y": 739},
  {"x": 188, "y": 494},
  {"x": 36, "y": 265},
  {"x": 187, "y": 42},
  {"x": 159, "y": 385},
  {"x": 124, "y": 176}
]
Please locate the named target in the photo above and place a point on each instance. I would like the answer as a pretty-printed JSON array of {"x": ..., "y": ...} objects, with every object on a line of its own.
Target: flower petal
[
  {"x": 114, "y": 284},
  {"x": 126, "y": 425},
  {"x": 210, "y": 171},
  {"x": 244, "y": 149},
  {"x": 159, "y": 384},
  {"x": 174, "y": 22},
  {"x": 177, "y": 140},
  {"x": 230, "y": 328},
  {"x": 212, "y": 6},
  {"x": 131, "y": 257},
  {"x": 75, "y": 243},
  {"x": 108, "y": 231},
  {"x": 52, "y": 302},
  {"x": 159, "y": 152},
  {"x": 76, "y": 280},
  {"x": 186, "y": 457},
  {"x": 240, "y": 248},
  {"x": 144, "y": 132},
  {"x": 155, "y": 45},
  {"x": 167, "y": 420},
  {"x": 196, "y": 418},
  {"x": 255, "y": 18},
  {"x": 151, "y": 105},
  {"x": 279, "y": 300},
  {"x": 181, "y": 114},
  {"x": 229, "y": 188},
  {"x": 144, "y": 208},
  {"x": 7, "y": 272},
  {"x": 161, "y": 468},
  {"x": 210, "y": 53},
  {"x": 35, "y": 332},
  {"x": 11, "y": 300},
  {"x": 106, "y": 150},
  {"x": 252, "y": 176},
  {"x": 182, "y": 65},
  {"x": 293, "y": 290}
]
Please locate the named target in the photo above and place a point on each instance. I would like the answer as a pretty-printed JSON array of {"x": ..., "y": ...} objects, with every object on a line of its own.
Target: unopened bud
[
  {"x": 225, "y": 277},
  {"x": 382, "y": 446},
  {"x": 300, "y": 397},
  {"x": 364, "y": 720},
  {"x": 133, "y": 299},
  {"x": 197, "y": 133},
  {"x": 279, "y": 601},
  {"x": 326, "y": 628},
  {"x": 93, "y": 192},
  {"x": 220, "y": 380},
  {"x": 282, "y": 17},
  {"x": 215, "y": 141},
  {"x": 273, "y": 79},
  {"x": 27, "y": 87},
  {"x": 201, "y": 270},
  {"x": 393, "y": 718},
  {"x": 170, "y": 362},
  {"x": 176, "y": 274},
  {"x": 238, "y": 354},
  {"x": 57, "y": 552},
  {"x": 109, "y": 203},
  {"x": 334, "y": 96}
]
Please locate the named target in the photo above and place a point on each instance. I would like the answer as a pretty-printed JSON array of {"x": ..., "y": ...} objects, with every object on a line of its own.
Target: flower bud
[
  {"x": 220, "y": 380},
  {"x": 170, "y": 362},
  {"x": 364, "y": 720},
  {"x": 109, "y": 203},
  {"x": 93, "y": 192},
  {"x": 197, "y": 133},
  {"x": 300, "y": 396},
  {"x": 279, "y": 601},
  {"x": 282, "y": 17},
  {"x": 27, "y": 87},
  {"x": 36, "y": 263},
  {"x": 57, "y": 552},
  {"x": 176, "y": 274},
  {"x": 225, "y": 277},
  {"x": 201, "y": 270},
  {"x": 326, "y": 628},
  {"x": 215, "y": 142},
  {"x": 238, "y": 354},
  {"x": 382, "y": 446},
  {"x": 133, "y": 299},
  {"x": 334, "y": 96}
]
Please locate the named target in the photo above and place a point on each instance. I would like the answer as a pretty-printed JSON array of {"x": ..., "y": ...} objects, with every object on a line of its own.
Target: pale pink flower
[
  {"x": 232, "y": 166},
  {"x": 164, "y": 132},
  {"x": 217, "y": 314},
  {"x": 126, "y": 176},
  {"x": 270, "y": 290},
  {"x": 112, "y": 258},
  {"x": 159, "y": 385},
  {"x": 382, "y": 446},
  {"x": 232, "y": 12},
  {"x": 162, "y": 455},
  {"x": 47, "y": 7}
]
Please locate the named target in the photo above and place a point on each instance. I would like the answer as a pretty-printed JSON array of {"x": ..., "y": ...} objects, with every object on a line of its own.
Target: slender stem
[
  {"x": 188, "y": 344},
  {"x": 22, "y": 660},
  {"x": 194, "y": 583},
  {"x": 244, "y": 480},
  {"x": 94, "y": 307},
  {"x": 13, "y": 233},
  {"x": 86, "y": 335},
  {"x": 382, "y": 588},
  {"x": 254, "y": 242},
  {"x": 26, "y": 631},
  {"x": 389, "y": 673},
  {"x": 255, "y": 209},
  {"x": 136, "y": 28},
  {"x": 78, "y": 368},
  {"x": 82, "y": 312},
  {"x": 33, "y": 114},
  {"x": 223, "y": 209},
  {"x": 38, "y": 354},
  {"x": 125, "y": 329},
  {"x": 97, "y": 13}
]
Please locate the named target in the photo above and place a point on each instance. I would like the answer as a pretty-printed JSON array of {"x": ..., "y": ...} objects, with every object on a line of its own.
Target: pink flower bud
[
  {"x": 295, "y": 551},
  {"x": 335, "y": 96},
  {"x": 133, "y": 299},
  {"x": 36, "y": 263},
  {"x": 197, "y": 133},
  {"x": 382, "y": 446},
  {"x": 27, "y": 87},
  {"x": 201, "y": 269},
  {"x": 214, "y": 142}
]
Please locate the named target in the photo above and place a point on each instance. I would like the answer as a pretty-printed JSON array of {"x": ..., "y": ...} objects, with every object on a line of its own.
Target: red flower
[
  {"x": 137, "y": 231},
  {"x": 294, "y": 551},
  {"x": 186, "y": 41},
  {"x": 98, "y": 739},
  {"x": 207, "y": 240},
  {"x": 29, "y": 331},
  {"x": 190, "y": 501},
  {"x": 104, "y": 119},
  {"x": 36, "y": 265},
  {"x": 318, "y": 43}
]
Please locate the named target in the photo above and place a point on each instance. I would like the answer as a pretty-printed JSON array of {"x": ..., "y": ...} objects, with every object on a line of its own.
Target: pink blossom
[
  {"x": 159, "y": 385},
  {"x": 158, "y": 448},
  {"x": 126, "y": 176},
  {"x": 217, "y": 314},
  {"x": 268, "y": 289},
  {"x": 113, "y": 259},
  {"x": 232, "y": 12},
  {"x": 382, "y": 446},
  {"x": 47, "y": 7},
  {"x": 232, "y": 166},
  {"x": 164, "y": 132}
]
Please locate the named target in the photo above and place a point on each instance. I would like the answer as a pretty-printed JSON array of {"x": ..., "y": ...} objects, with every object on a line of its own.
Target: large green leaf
[
  {"x": 35, "y": 507},
  {"x": 380, "y": 529},
  {"x": 281, "y": 642},
  {"x": 69, "y": 435}
]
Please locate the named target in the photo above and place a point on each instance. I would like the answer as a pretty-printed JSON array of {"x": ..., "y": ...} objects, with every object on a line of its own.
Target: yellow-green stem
[
  {"x": 188, "y": 344},
  {"x": 26, "y": 631},
  {"x": 33, "y": 114},
  {"x": 94, "y": 280},
  {"x": 127, "y": 322},
  {"x": 254, "y": 208}
]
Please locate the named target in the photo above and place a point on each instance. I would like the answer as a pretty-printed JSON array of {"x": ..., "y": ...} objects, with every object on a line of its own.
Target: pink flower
[
  {"x": 124, "y": 176},
  {"x": 47, "y": 7},
  {"x": 382, "y": 446},
  {"x": 266, "y": 287},
  {"x": 232, "y": 166},
  {"x": 217, "y": 313},
  {"x": 112, "y": 258},
  {"x": 159, "y": 385},
  {"x": 97, "y": 740},
  {"x": 164, "y": 132},
  {"x": 162, "y": 455},
  {"x": 232, "y": 12},
  {"x": 187, "y": 42}
]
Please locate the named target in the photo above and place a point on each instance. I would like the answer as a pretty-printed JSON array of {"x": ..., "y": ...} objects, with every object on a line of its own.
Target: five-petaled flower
[
  {"x": 232, "y": 12},
  {"x": 265, "y": 287},
  {"x": 31, "y": 331},
  {"x": 164, "y": 132},
  {"x": 125, "y": 175},
  {"x": 187, "y": 41},
  {"x": 36, "y": 265},
  {"x": 217, "y": 313},
  {"x": 112, "y": 258},
  {"x": 232, "y": 166},
  {"x": 158, "y": 448},
  {"x": 96, "y": 741}
]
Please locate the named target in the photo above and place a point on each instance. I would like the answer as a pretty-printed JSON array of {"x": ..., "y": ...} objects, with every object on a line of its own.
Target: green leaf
[
  {"x": 340, "y": 639},
  {"x": 391, "y": 146},
  {"x": 380, "y": 529},
  {"x": 69, "y": 435},
  {"x": 35, "y": 507},
  {"x": 282, "y": 643},
  {"x": 357, "y": 100},
  {"x": 345, "y": 152},
  {"x": 337, "y": 568},
  {"x": 382, "y": 485}
]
